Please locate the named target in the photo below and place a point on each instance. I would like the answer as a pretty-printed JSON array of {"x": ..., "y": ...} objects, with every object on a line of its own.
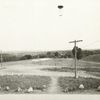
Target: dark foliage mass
[
  {"x": 78, "y": 52},
  {"x": 26, "y": 57}
]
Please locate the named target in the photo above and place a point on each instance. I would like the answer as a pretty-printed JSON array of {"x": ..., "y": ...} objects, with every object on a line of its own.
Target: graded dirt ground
[{"x": 29, "y": 67}]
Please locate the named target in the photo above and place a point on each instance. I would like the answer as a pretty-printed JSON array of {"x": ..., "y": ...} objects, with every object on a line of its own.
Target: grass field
[
  {"x": 62, "y": 62},
  {"x": 94, "y": 58},
  {"x": 67, "y": 65},
  {"x": 69, "y": 84},
  {"x": 24, "y": 82}
]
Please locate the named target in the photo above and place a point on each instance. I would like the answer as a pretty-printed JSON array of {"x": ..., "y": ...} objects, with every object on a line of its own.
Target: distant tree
[
  {"x": 42, "y": 56},
  {"x": 65, "y": 55},
  {"x": 26, "y": 57},
  {"x": 78, "y": 51},
  {"x": 49, "y": 54},
  {"x": 35, "y": 56},
  {"x": 56, "y": 54}
]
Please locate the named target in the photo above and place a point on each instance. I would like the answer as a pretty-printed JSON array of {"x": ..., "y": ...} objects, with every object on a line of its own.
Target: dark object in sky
[{"x": 60, "y": 6}]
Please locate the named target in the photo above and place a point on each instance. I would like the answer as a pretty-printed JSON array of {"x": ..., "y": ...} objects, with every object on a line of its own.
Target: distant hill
[
  {"x": 95, "y": 58},
  {"x": 91, "y": 55}
]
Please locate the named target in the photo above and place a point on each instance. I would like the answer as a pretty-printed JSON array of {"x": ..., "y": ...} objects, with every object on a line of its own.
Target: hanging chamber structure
[{"x": 60, "y": 7}]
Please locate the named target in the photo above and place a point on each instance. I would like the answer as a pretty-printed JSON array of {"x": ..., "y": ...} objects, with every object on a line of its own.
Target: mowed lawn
[
  {"x": 71, "y": 85},
  {"x": 24, "y": 82}
]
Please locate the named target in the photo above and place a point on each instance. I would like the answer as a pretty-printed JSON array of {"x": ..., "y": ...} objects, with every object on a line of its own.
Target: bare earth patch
[
  {"x": 54, "y": 87},
  {"x": 29, "y": 73}
]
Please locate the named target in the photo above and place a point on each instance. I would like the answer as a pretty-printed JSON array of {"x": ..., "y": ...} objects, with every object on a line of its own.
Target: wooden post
[{"x": 75, "y": 55}]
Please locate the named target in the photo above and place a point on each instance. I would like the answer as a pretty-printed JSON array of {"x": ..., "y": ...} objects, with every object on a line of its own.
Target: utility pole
[
  {"x": 1, "y": 58},
  {"x": 75, "y": 55}
]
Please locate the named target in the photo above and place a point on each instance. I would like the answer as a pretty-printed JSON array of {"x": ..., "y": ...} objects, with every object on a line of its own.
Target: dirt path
[{"x": 54, "y": 87}]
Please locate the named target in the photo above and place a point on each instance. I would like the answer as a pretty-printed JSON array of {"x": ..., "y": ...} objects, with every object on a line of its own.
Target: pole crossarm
[{"x": 75, "y": 41}]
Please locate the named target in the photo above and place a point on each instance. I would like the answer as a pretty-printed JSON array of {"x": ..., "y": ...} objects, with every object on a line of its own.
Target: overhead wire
[{"x": 90, "y": 44}]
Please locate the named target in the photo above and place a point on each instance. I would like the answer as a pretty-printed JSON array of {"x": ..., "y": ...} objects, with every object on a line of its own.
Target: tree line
[{"x": 51, "y": 54}]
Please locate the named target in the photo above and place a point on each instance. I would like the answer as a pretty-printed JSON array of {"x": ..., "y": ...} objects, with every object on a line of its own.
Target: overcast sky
[{"x": 36, "y": 24}]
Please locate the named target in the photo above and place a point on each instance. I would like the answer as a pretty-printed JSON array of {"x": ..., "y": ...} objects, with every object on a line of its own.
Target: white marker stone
[
  {"x": 30, "y": 89},
  {"x": 44, "y": 86},
  {"x": 7, "y": 88},
  {"x": 66, "y": 90},
  {"x": 81, "y": 86},
  {"x": 19, "y": 89}
]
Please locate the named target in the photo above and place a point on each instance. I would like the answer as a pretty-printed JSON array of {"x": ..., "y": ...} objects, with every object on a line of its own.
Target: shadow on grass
[{"x": 66, "y": 69}]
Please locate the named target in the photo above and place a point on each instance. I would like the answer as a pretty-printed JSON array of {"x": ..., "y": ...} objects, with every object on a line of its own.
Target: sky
[{"x": 36, "y": 25}]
